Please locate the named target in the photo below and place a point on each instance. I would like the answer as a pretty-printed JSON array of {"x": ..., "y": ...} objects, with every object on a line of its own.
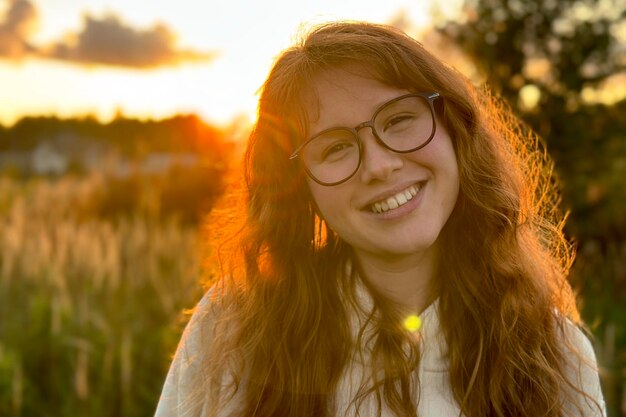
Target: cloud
[
  {"x": 17, "y": 26},
  {"x": 109, "y": 41},
  {"x": 101, "y": 41}
]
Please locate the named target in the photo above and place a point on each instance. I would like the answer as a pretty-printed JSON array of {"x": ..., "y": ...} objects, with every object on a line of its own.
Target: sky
[{"x": 156, "y": 58}]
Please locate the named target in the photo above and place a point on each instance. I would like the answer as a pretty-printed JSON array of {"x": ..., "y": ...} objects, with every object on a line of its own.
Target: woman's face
[{"x": 429, "y": 175}]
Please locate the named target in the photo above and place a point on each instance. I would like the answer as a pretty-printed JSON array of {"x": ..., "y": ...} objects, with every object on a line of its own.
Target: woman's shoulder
[
  {"x": 198, "y": 328},
  {"x": 187, "y": 365},
  {"x": 579, "y": 339},
  {"x": 581, "y": 369}
]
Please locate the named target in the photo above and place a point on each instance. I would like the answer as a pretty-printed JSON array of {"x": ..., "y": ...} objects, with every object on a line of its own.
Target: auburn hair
[{"x": 280, "y": 334}]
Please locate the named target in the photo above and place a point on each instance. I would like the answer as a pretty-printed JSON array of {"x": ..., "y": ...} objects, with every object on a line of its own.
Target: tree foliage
[
  {"x": 560, "y": 64},
  {"x": 561, "y": 46}
]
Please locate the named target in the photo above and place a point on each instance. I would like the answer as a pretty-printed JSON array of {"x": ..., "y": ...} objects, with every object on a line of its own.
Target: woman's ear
[
  {"x": 313, "y": 208},
  {"x": 322, "y": 230}
]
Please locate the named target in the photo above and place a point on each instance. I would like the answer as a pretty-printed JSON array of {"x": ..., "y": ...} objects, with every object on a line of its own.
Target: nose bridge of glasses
[
  {"x": 363, "y": 125},
  {"x": 370, "y": 124},
  {"x": 375, "y": 136}
]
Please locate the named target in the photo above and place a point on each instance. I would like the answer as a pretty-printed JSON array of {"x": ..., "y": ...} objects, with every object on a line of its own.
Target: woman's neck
[{"x": 404, "y": 279}]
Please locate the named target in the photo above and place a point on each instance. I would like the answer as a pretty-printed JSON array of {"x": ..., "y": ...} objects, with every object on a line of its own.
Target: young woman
[{"x": 382, "y": 186}]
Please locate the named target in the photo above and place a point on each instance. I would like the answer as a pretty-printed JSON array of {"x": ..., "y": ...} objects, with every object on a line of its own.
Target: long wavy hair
[{"x": 280, "y": 330}]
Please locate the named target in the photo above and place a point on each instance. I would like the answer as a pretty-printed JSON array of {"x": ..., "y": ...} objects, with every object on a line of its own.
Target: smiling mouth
[{"x": 397, "y": 200}]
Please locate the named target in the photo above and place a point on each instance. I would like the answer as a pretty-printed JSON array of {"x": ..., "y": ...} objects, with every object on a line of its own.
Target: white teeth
[{"x": 397, "y": 200}]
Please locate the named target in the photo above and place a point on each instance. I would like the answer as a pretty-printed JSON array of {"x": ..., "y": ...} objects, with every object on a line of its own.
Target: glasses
[{"x": 403, "y": 124}]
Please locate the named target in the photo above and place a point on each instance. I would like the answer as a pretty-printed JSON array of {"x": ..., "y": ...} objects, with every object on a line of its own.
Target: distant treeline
[
  {"x": 175, "y": 166},
  {"x": 131, "y": 137}
]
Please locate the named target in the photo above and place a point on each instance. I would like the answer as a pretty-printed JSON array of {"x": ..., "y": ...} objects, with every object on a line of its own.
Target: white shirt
[{"x": 436, "y": 399}]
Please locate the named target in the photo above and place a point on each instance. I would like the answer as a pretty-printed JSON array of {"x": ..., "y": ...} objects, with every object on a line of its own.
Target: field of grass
[{"x": 90, "y": 307}]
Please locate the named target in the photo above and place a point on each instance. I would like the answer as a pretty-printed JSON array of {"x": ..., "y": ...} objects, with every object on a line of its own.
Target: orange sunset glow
[{"x": 155, "y": 59}]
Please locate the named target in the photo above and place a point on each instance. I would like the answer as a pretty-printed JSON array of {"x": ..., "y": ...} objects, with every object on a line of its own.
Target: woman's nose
[{"x": 377, "y": 162}]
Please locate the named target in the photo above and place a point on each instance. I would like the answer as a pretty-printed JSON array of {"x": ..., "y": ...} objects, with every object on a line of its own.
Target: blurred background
[{"x": 121, "y": 124}]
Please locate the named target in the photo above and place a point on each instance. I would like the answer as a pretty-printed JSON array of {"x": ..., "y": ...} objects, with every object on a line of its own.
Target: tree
[
  {"x": 558, "y": 64},
  {"x": 563, "y": 47}
]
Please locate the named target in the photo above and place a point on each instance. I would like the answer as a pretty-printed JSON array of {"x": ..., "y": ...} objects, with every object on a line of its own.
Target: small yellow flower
[{"x": 412, "y": 323}]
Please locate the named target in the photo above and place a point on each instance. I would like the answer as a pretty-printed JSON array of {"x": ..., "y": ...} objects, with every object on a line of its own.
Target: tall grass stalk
[{"x": 89, "y": 307}]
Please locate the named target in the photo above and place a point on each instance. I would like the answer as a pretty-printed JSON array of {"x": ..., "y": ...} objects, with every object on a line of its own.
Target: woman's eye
[
  {"x": 398, "y": 119},
  {"x": 336, "y": 150}
]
